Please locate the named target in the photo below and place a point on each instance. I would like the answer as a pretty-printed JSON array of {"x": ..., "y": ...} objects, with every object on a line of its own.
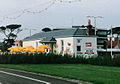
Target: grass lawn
[{"x": 95, "y": 74}]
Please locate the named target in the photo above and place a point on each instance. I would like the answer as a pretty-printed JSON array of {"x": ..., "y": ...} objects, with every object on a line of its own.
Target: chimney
[
  {"x": 89, "y": 22},
  {"x": 89, "y": 27}
]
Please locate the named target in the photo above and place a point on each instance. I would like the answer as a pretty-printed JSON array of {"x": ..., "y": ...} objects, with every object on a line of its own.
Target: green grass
[{"x": 90, "y": 73}]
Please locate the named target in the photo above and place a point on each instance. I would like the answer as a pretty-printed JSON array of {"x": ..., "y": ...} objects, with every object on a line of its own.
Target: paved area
[{"x": 9, "y": 76}]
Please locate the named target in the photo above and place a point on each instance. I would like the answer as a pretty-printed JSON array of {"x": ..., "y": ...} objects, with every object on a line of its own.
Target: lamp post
[{"x": 95, "y": 17}]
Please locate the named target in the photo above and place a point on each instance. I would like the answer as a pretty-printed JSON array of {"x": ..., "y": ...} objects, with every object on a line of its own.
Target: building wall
[
  {"x": 67, "y": 45},
  {"x": 18, "y": 44},
  {"x": 34, "y": 43},
  {"x": 88, "y": 45}
]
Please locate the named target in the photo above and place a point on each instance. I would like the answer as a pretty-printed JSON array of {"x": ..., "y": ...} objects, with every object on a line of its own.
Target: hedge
[
  {"x": 34, "y": 58},
  {"x": 40, "y": 58}
]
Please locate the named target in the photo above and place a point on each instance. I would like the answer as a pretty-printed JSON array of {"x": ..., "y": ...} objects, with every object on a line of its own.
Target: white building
[
  {"x": 18, "y": 43},
  {"x": 73, "y": 41}
]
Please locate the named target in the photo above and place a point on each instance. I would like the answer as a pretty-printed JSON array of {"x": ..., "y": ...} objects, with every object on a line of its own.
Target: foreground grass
[{"x": 95, "y": 74}]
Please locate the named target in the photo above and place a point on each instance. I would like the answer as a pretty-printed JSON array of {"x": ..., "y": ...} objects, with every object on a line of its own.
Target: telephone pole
[
  {"x": 95, "y": 17},
  {"x": 111, "y": 40}
]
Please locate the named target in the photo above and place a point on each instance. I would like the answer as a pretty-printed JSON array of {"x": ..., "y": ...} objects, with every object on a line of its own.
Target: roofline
[
  {"x": 32, "y": 39},
  {"x": 65, "y": 37},
  {"x": 47, "y": 41},
  {"x": 84, "y": 36}
]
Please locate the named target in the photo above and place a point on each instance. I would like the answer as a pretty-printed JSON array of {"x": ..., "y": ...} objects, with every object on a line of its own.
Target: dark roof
[
  {"x": 79, "y": 32},
  {"x": 48, "y": 39},
  {"x": 58, "y": 33}
]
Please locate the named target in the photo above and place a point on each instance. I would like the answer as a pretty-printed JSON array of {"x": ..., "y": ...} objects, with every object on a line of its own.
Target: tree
[
  {"x": 46, "y": 29},
  {"x": 10, "y": 32}
]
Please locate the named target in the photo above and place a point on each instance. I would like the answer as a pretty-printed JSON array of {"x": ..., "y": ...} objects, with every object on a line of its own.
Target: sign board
[
  {"x": 68, "y": 49},
  {"x": 88, "y": 44},
  {"x": 89, "y": 49}
]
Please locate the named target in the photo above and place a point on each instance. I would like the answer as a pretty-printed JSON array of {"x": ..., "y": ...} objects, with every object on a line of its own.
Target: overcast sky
[{"x": 58, "y": 14}]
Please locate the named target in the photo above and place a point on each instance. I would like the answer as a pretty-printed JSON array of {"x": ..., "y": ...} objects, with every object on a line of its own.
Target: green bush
[
  {"x": 116, "y": 60},
  {"x": 101, "y": 60},
  {"x": 38, "y": 58},
  {"x": 50, "y": 58}
]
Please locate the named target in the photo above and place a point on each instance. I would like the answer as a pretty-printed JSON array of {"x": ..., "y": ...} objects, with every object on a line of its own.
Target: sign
[
  {"x": 89, "y": 51},
  {"x": 68, "y": 49},
  {"x": 88, "y": 44},
  {"x": 69, "y": 44}
]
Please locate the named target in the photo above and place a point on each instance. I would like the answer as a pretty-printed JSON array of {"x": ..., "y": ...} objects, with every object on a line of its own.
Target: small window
[
  {"x": 46, "y": 50},
  {"x": 78, "y": 48},
  {"x": 62, "y": 45},
  {"x": 62, "y": 42},
  {"x": 78, "y": 40},
  {"x": 17, "y": 45}
]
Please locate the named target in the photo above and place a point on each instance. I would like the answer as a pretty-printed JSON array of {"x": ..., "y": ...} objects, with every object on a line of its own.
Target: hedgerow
[{"x": 51, "y": 58}]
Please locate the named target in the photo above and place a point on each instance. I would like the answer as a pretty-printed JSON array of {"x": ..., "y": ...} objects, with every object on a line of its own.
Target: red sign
[
  {"x": 88, "y": 44},
  {"x": 89, "y": 52}
]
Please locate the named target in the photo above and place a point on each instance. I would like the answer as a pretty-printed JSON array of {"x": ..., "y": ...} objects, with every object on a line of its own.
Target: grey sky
[{"x": 59, "y": 14}]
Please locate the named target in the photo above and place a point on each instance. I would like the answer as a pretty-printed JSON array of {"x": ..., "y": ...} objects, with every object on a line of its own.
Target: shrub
[{"x": 51, "y": 58}]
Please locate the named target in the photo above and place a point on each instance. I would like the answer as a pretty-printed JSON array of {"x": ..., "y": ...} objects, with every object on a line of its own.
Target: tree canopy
[
  {"x": 10, "y": 33},
  {"x": 46, "y": 29}
]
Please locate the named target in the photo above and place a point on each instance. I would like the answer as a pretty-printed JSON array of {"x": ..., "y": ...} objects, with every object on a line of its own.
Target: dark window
[
  {"x": 62, "y": 45},
  {"x": 62, "y": 42},
  {"x": 78, "y": 40},
  {"x": 78, "y": 48},
  {"x": 17, "y": 44},
  {"x": 46, "y": 50},
  {"x": 102, "y": 33}
]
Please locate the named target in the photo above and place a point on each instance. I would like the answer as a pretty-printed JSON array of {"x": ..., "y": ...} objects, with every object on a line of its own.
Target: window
[
  {"x": 62, "y": 42},
  {"x": 78, "y": 40},
  {"x": 46, "y": 50},
  {"x": 62, "y": 45},
  {"x": 102, "y": 33},
  {"x": 78, "y": 48},
  {"x": 17, "y": 45}
]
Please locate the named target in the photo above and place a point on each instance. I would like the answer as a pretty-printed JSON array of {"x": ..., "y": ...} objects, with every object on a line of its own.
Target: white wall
[
  {"x": 65, "y": 40},
  {"x": 34, "y": 43},
  {"x": 72, "y": 41},
  {"x": 83, "y": 42}
]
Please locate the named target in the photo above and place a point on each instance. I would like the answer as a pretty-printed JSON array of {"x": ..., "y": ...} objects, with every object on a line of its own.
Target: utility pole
[
  {"x": 95, "y": 17},
  {"x": 111, "y": 40}
]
